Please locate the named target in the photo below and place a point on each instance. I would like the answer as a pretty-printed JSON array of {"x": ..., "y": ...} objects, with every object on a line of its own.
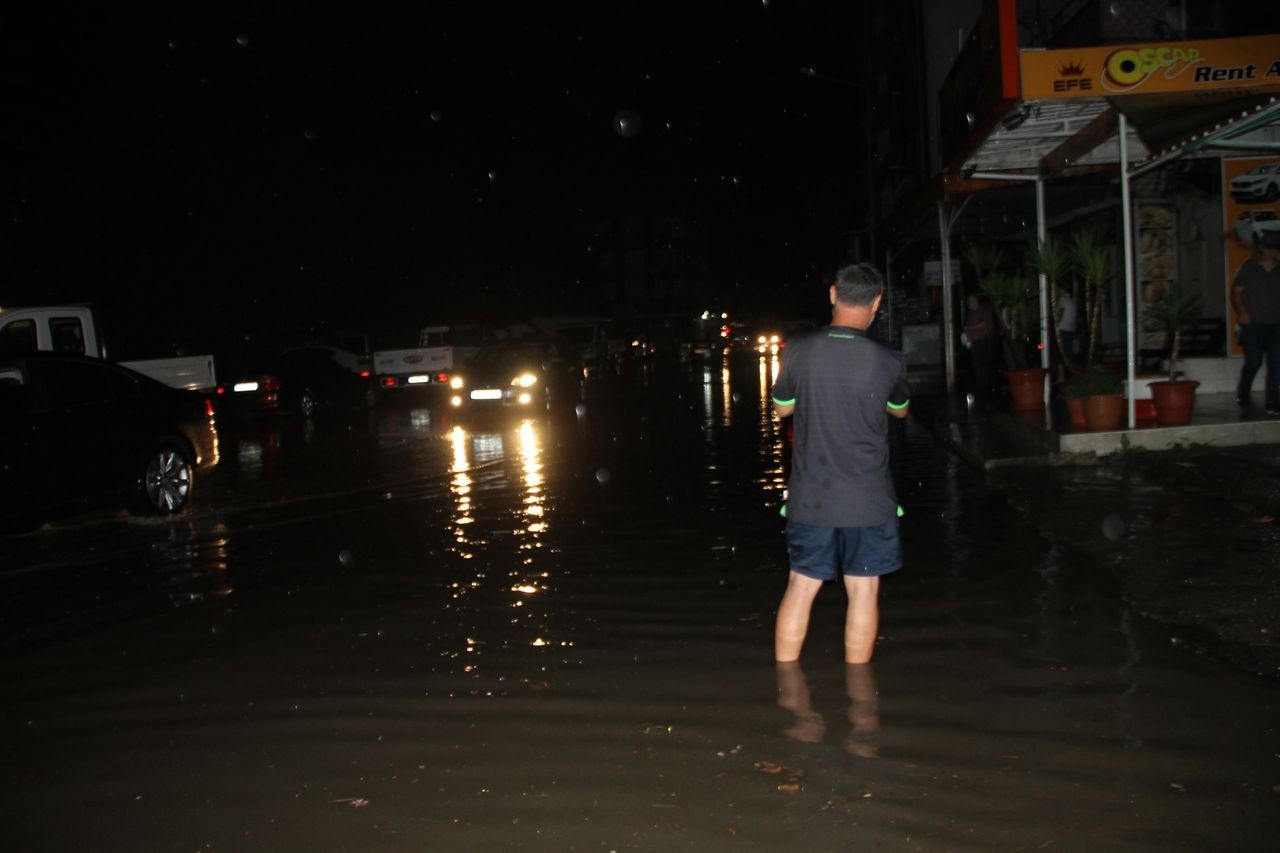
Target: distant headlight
[
  {"x": 456, "y": 382},
  {"x": 525, "y": 380}
]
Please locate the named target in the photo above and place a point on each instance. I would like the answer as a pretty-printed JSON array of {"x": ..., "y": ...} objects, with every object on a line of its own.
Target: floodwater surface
[{"x": 415, "y": 630}]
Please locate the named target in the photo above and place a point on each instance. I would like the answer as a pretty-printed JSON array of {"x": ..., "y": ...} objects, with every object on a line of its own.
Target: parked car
[
  {"x": 1261, "y": 183},
  {"x": 77, "y": 432},
  {"x": 305, "y": 380},
  {"x": 522, "y": 374}
]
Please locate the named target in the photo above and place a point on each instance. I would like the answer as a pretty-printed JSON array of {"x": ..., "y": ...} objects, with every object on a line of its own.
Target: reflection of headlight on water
[
  {"x": 525, "y": 380},
  {"x": 455, "y": 401}
]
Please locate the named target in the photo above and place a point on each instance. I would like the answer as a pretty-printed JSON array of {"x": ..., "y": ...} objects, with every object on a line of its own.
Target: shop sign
[{"x": 1206, "y": 65}]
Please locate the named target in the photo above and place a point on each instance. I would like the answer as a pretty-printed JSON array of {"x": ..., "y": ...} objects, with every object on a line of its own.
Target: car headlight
[
  {"x": 456, "y": 382},
  {"x": 525, "y": 380}
]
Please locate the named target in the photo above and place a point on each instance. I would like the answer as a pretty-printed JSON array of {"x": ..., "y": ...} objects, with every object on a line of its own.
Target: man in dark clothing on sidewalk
[
  {"x": 842, "y": 514},
  {"x": 1255, "y": 295}
]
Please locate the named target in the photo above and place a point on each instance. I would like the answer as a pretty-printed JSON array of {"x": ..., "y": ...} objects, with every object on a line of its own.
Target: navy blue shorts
[{"x": 824, "y": 553}]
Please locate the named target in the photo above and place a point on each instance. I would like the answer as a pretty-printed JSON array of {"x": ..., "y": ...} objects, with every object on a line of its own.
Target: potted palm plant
[
  {"x": 1012, "y": 295},
  {"x": 1175, "y": 398},
  {"x": 1089, "y": 260},
  {"x": 1095, "y": 395}
]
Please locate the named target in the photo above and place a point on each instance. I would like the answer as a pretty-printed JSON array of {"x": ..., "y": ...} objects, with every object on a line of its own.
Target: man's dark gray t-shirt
[
  {"x": 1261, "y": 291},
  {"x": 840, "y": 382}
]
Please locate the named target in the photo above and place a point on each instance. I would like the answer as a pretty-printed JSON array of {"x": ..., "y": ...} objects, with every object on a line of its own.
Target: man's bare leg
[
  {"x": 864, "y": 701},
  {"x": 793, "y": 696},
  {"x": 793, "y": 616},
  {"x": 862, "y": 618}
]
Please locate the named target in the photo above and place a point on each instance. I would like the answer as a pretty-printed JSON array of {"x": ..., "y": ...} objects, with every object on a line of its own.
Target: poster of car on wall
[{"x": 1250, "y": 207}]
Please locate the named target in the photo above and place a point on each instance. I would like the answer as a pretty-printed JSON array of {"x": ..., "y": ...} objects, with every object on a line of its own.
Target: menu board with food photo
[
  {"x": 1157, "y": 260},
  {"x": 1250, "y": 208}
]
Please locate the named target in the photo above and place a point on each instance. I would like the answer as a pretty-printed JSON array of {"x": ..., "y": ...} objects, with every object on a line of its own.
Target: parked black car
[
  {"x": 77, "y": 432},
  {"x": 305, "y": 380}
]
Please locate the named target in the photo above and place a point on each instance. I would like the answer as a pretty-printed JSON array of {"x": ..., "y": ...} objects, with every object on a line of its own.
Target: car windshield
[{"x": 509, "y": 356}]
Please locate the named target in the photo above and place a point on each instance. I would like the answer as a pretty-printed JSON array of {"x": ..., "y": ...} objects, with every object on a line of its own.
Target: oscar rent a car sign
[{"x": 1251, "y": 63}]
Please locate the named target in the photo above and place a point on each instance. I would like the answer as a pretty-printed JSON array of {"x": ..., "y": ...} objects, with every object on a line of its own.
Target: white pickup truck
[
  {"x": 440, "y": 350},
  {"x": 73, "y": 329}
]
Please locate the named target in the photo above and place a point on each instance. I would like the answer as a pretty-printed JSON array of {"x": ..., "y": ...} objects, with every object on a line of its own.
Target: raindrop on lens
[
  {"x": 345, "y": 556},
  {"x": 436, "y": 115},
  {"x": 243, "y": 39},
  {"x": 310, "y": 134},
  {"x": 602, "y": 475},
  {"x": 580, "y": 410},
  {"x": 628, "y": 124},
  {"x": 1113, "y": 527},
  {"x": 736, "y": 397}
]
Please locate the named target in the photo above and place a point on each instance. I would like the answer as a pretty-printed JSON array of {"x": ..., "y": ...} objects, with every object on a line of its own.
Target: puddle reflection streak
[{"x": 773, "y": 471}]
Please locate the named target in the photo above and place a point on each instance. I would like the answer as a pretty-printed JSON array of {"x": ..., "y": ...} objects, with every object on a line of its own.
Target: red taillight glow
[
  {"x": 442, "y": 377},
  {"x": 388, "y": 382},
  {"x": 208, "y": 406},
  {"x": 269, "y": 384},
  {"x": 222, "y": 389},
  {"x": 364, "y": 374}
]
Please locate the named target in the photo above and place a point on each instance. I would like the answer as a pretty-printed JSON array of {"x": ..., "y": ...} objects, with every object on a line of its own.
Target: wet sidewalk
[
  {"x": 995, "y": 437},
  {"x": 1185, "y": 518}
]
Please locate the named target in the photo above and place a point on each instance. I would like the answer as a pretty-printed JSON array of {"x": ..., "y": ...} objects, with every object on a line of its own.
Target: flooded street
[{"x": 414, "y": 631}]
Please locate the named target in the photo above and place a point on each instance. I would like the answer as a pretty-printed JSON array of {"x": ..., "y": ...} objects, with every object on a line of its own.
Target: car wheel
[
  {"x": 307, "y": 403},
  {"x": 166, "y": 480}
]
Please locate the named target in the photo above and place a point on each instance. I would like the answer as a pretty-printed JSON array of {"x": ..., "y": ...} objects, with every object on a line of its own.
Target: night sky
[{"x": 214, "y": 167}]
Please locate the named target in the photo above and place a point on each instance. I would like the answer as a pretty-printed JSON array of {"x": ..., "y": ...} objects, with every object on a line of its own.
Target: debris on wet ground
[
  {"x": 354, "y": 802},
  {"x": 791, "y": 776}
]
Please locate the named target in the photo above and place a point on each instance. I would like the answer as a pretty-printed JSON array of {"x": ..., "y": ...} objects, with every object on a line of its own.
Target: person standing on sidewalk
[
  {"x": 980, "y": 336},
  {"x": 842, "y": 513},
  {"x": 1255, "y": 295}
]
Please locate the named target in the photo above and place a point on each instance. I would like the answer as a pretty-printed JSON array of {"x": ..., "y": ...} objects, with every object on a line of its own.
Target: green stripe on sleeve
[
  {"x": 898, "y": 405},
  {"x": 790, "y": 402}
]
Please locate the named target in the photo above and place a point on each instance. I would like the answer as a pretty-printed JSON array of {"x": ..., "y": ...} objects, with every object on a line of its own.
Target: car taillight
[
  {"x": 388, "y": 382},
  {"x": 442, "y": 377},
  {"x": 364, "y": 374},
  {"x": 269, "y": 384},
  {"x": 222, "y": 389}
]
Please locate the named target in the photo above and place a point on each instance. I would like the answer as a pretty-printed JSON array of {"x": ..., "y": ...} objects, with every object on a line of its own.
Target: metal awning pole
[
  {"x": 1126, "y": 213},
  {"x": 1045, "y": 338},
  {"x": 948, "y": 329}
]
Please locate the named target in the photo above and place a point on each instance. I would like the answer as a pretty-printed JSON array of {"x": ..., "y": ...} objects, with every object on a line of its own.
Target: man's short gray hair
[{"x": 859, "y": 284}]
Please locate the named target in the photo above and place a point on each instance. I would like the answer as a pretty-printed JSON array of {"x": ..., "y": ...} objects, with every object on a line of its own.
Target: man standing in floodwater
[{"x": 842, "y": 514}]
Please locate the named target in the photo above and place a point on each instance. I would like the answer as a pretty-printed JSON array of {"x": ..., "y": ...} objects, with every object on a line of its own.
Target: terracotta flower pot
[
  {"x": 1174, "y": 401},
  {"x": 1026, "y": 388},
  {"x": 1104, "y": 412}
]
